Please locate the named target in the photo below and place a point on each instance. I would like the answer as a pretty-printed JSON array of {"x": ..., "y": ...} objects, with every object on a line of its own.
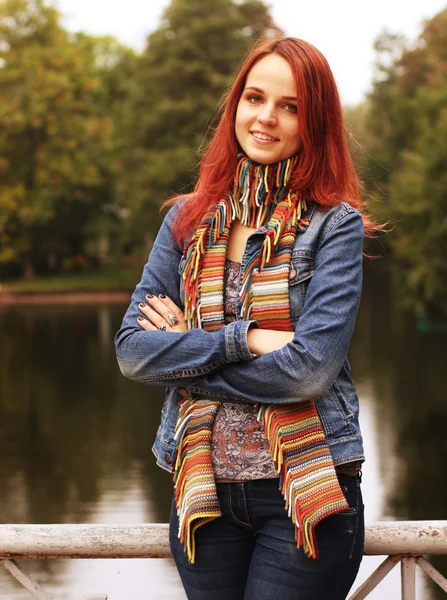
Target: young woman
[{"x": 245, "y": 312}]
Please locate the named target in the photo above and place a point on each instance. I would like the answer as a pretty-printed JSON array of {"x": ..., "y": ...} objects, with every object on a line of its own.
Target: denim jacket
[{"x": 325, "y": 286}]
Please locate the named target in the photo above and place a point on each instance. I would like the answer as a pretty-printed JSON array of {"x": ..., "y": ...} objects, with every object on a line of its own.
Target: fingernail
[
  {"x": 149, "y": 295},
  {"x": 140, "y": 318},
  {"x": 162, "y": 296},
  {"x": 142, "y": 304}
]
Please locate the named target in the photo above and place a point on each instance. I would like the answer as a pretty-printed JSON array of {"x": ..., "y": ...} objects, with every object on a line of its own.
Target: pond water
[{"x": 76, "y": 437}]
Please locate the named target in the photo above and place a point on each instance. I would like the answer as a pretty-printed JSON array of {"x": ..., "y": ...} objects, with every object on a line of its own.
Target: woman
[{"x": 245, "y": 312}]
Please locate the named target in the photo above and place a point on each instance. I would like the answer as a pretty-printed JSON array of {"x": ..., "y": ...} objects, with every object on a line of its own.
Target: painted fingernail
[
  {"x": 162, "y": 296},
  {"x": 140, "y": 318},
  {"x": 149, "y": 295},
  {"x": 142, "y": 304}
]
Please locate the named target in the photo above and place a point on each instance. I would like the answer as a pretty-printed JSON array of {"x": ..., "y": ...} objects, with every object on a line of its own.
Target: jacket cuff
[{"x": 236, "y": 343}]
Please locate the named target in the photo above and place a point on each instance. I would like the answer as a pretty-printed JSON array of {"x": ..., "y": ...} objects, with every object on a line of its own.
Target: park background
[{"x": 95, "y": 133}]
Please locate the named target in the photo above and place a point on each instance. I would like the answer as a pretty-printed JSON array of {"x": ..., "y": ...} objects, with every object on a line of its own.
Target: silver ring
[
  {"x": 163, "y": 327},
  {"x": 173, "y": 319}
]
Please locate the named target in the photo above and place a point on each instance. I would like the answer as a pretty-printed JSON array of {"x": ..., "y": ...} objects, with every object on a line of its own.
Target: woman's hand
[
  {"x": 262, "y": 341},
  {"x": 161, "y": 313}
]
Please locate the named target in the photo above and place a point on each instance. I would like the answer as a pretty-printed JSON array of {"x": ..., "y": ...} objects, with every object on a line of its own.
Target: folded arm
[
  {"x": 171, "y": 358},
  {"x": 305, "y": 367}
]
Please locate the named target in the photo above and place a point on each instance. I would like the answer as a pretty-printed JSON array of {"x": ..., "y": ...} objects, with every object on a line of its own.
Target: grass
[{"x": 82, "y": 282}]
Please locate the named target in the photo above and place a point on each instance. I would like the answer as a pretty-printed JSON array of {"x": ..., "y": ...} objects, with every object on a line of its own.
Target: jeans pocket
[
  {"x": 353, "y": 516},
  {"x": 352, "y": 509},
  {"x": 351, "y": 490}
]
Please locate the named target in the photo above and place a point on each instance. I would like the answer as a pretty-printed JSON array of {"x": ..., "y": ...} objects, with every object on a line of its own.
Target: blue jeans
[{"x": 250, "y": 552}]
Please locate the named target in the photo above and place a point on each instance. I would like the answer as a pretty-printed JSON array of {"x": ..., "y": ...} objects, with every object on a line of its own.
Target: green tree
[
  {"x": 185, "y": 68},
  {"x": 56, "y": 136},
  {"x": 407, "y": 124},
  {"x": 115, "y": 66}
]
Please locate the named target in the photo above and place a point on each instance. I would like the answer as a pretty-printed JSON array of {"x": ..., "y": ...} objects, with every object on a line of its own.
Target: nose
[{"x": 267, "y": 115}]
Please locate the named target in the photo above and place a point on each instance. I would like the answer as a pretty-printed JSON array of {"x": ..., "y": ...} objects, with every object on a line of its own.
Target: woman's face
[{"x": 266, "y": 117}]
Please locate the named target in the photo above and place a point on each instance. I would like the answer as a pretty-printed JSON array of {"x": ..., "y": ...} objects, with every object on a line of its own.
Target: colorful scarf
[{"x": 307, "y": 478}]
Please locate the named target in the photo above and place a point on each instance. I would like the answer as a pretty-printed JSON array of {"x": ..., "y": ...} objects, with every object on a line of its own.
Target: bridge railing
[{"x": 404, "y": 542}]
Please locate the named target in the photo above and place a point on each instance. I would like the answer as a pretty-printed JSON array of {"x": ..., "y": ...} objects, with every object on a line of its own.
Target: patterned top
[
  {"x": 240, "y": 449},
  {"x": 239, "y": 446}
]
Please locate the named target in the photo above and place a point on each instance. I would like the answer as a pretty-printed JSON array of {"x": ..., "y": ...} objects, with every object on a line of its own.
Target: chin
[{"x": 263, "y": 158}]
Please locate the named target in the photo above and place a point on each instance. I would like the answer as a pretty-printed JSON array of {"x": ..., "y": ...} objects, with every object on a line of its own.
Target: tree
[
  {"x": 185, "y": 68},
  {"x": 56, "y": 137},
  {"x": 407, "y": 122}
]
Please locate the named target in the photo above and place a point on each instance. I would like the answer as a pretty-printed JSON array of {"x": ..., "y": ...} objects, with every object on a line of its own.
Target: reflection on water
[
  {"x": 400, "y": 375},
  {"x": 75, "y": 436}
]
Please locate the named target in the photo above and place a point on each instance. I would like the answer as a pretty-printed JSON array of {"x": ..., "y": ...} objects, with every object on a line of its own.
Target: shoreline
[{"x": 8, "y": 298}]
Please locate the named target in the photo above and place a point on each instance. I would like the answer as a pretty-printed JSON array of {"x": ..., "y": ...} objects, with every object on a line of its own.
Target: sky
[{"x": 343, "y": 30}]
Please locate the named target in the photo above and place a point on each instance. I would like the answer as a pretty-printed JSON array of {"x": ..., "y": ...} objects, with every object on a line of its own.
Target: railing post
[
  {"x": 375, "y": 578},
  {"x": 408, "y": 577},
  {"x": 28, "y": 583},
  {"x": 432, "y": 573}
]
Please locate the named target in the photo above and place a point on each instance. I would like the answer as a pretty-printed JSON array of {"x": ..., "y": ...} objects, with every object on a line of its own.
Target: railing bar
[
  {"x": 28, "y": 582},
  {"x": 398, "y": 538},
  {"x": 433, "y": 573},
  {"x": 85, "y": 541},
  {"x": 407, "y": 538},
  {"x": 375, "y": 578},
  {"x": 408, "y": 577}
]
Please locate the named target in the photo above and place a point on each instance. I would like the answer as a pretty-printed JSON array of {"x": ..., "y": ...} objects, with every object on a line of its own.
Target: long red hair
[{"x": 324, "y": 170}]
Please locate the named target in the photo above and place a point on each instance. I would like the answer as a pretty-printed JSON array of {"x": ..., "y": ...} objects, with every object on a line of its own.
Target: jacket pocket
[
  {"x": 334, "y": 413},
  {"x": 302, "y": 268}
]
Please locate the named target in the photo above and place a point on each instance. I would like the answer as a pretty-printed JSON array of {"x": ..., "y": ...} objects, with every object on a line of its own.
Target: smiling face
[{"x": 266, "y": 117}]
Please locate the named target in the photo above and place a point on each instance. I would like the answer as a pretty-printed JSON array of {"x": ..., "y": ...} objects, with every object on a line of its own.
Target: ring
[
  {"x": 173, "y": 319},
  {"x": 163, "y": 327}
]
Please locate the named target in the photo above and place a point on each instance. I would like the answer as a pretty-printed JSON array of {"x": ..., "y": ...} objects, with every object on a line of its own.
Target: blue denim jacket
[{"x": 325, "y": 287}]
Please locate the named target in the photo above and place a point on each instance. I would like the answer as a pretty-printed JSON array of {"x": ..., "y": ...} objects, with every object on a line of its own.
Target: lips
[{"x": 263, "y": 137}]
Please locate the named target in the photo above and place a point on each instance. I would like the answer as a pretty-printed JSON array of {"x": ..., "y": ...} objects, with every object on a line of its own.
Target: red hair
[{"x": 324, "y": 170}]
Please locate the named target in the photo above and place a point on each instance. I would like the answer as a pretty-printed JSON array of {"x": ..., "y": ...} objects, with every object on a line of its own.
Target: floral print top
[{"x": 239, "y": 446}]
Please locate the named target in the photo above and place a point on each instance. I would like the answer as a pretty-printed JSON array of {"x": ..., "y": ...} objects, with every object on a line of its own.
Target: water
[{"x": 75, "y": 437}]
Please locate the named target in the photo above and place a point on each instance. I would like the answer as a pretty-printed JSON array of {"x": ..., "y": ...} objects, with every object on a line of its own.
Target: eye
[
  {"x": 254, "y": 99},
  {"x": 291, "y": 108}
]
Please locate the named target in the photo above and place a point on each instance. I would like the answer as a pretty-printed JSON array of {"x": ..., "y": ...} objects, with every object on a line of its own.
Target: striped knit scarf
[{"x": 307, "y": 478}]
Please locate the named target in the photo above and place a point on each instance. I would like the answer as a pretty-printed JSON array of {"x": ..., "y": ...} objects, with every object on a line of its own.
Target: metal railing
[{"x": 402, "y": 541}]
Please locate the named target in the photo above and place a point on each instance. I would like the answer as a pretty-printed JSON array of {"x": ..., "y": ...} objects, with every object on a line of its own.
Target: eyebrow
[{"x": 256, "y": 89}]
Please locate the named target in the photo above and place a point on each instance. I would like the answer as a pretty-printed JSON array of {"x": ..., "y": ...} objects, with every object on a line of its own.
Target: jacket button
[{"x": 168, "y": 457}]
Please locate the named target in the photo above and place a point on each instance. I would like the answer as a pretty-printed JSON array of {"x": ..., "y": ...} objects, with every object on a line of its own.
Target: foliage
[
  {"x": 406, "y": 121},
  {"x": 185, "y": 68},
  {"x": 56, "y": 133}
]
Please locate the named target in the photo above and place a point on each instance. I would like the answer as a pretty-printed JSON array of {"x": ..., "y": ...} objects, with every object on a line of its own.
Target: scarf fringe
[
  {"x": 307, "y": 477},
  {"x": 194, "y": 484}
]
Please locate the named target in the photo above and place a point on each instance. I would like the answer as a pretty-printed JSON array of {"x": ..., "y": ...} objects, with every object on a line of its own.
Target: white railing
[{"x": 403, "y": 541}]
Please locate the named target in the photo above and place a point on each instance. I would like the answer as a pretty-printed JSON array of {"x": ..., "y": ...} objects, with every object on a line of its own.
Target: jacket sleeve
[
  {"x": 168, "y": 358},
  {"x": 307, "y": 366}
]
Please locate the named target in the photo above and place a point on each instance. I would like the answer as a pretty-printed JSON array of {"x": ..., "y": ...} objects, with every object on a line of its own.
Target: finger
[
  {"x": 157, "y": 303},
  {"x": 172, "y": 308},
  {"x": 145, "y": 324},
  {"x": 169, "y": 310},
  {"x": 154, "y": 317}
]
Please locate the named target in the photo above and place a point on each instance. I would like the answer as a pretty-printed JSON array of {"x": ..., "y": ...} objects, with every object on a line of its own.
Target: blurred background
[{"x": 102, "y": 111}]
